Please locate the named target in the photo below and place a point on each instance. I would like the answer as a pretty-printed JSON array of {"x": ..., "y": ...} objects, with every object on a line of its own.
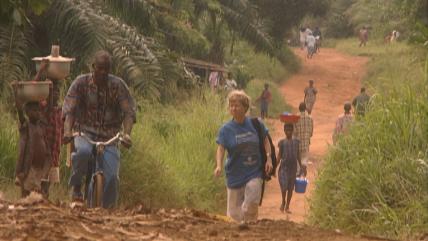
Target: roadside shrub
[{"x": 374, "y": 181}]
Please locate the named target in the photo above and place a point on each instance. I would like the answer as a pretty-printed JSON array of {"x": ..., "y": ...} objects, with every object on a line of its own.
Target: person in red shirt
[{"x": 265, "y": 99}]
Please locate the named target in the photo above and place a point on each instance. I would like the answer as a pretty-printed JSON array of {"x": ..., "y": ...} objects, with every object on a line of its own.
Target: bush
[
  {"x": 374, "y": 181},
  {"x": 172, "y": 161},
  {"x": 259, "y": 65}
]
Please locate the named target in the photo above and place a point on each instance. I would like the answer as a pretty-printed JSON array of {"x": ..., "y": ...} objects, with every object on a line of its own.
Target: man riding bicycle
[{"x": 97, "y": 104}]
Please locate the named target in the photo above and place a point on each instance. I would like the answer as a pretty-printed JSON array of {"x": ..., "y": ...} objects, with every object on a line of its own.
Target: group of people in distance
[
  {"x": 217, "y": 81},
  {"x": 244, "y": 167},
  {"x": 311, "y": 40},
  {"x": 363, "y": 36}
]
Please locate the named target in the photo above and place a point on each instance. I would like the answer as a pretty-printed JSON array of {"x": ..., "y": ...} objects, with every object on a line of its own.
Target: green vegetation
[
  {"x": 375, "y": 180},
  {"x": 172, "y": 161},
  {"x": 345, "y": 17},
  {"x": 259, "y": 65}
]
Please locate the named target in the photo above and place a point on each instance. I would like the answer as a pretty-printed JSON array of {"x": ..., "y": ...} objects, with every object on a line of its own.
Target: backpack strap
[{"x": 258, "y": 128}]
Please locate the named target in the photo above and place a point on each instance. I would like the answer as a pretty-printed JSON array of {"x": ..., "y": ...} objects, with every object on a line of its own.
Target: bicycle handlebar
[{"x": 117, "y": 137}]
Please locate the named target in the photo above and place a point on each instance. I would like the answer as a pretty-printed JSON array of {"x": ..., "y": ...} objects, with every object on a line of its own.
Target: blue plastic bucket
[{"x": 300, "y": 185}]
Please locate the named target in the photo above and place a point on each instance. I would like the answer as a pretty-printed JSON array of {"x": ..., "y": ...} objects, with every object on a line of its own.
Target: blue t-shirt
[{"x": 243, "y": 152}]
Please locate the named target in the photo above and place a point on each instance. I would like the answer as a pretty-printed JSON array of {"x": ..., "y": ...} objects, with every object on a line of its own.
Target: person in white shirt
[
  {"x": 302, "y": 34},
  {"x": 230, "y": 83},
  {"x": 310, "y": 42}
]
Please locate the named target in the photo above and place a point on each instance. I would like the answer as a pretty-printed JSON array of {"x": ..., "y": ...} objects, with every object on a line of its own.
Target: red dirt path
[{"x": 337, "y": 77}]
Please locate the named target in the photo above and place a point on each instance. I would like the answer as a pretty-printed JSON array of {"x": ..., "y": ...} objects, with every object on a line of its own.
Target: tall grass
[
  {"x": 172, "y": 161},
  {"x": 259, "y": 65},
  {"x": 8, "y": 144},
  {"x": 375, "y": 181}
]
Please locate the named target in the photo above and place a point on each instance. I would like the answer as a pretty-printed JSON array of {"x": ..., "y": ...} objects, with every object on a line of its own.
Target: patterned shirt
[
  {"x": 342, "y": 125},
  {"x": 289, "y": 154},
  {"x": 360, "y": 103},
  {"x": 99, "y": 111},
  {"x": 310, "y": 95},
  {"x": 303, "y": 131}
]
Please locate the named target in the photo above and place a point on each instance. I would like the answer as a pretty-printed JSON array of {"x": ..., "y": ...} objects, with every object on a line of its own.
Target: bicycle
[{"x": 95, "y": 176}]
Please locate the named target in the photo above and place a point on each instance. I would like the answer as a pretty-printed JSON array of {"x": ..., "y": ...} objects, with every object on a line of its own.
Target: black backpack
[
  {"x": 258, "y": 128},
  {"x": 266, "y": 177}
]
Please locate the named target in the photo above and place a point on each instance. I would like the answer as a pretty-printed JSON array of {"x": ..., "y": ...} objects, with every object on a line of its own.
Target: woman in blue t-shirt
[{"x": 243, "y": 166}]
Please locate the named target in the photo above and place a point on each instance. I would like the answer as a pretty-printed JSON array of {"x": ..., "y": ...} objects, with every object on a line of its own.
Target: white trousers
[{"x": 242, "y": 203}]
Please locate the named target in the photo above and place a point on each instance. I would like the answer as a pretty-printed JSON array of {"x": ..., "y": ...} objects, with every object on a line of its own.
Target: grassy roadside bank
[{"x": 375, "y": 180}]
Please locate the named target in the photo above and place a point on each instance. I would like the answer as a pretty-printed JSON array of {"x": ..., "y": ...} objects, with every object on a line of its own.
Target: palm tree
[{"x": 83, "y": 28}]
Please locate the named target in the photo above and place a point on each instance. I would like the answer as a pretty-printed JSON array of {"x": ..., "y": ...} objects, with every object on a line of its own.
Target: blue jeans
[{"x": 111, "y": 163}]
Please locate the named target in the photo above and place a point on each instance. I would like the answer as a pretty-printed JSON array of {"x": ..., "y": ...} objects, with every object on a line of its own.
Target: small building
[{"x": 203, "y": 68}]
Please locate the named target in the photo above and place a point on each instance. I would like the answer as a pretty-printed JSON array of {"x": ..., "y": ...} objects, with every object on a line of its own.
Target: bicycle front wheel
[{"x": 98, "y": 192}]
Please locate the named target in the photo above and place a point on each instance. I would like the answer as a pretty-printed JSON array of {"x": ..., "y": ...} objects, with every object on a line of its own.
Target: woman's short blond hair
[{"x": 241, "y": 97}]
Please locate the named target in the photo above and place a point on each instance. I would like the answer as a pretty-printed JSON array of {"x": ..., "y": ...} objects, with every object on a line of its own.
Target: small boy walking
[
  {"x": 289, "y": 156},
  {"x": 34, "y": 159}
]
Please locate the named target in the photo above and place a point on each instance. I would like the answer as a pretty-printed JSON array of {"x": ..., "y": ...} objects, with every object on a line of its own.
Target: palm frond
[
  {"x": 85, "y": 27},
  {"x": 250, "y": 31},
  {"x": 138, "y": 13},
  {"x": 79, "y": 29},
  {"x": 14, "y": 64}
]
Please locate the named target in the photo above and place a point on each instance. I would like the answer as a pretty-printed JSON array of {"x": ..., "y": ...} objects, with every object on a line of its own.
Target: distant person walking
[
  {"x": 302, "y": 35},
  {"x": 230, "y": 83},
  {"x": 310, "y": 42},
  {"x": 308, "y": 31},
  {"x": 361, "y": 102},
  {"x": 244, "y": 165},
  {"x": 363, "y": 36},
  {"x": 310, "y": 96},
  {"x": 265, "y": 98},
  {"x": 303, "y": 131},
  {"x": 394, "y": 36},
  {"x": 343, "y": 122},
  {"x": 214, "y": 80}
]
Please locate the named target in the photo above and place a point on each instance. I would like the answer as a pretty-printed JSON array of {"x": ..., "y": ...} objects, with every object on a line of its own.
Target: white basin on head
[
  {"x": 28, "y": 91},
  {"x": 59, "y": 67}
]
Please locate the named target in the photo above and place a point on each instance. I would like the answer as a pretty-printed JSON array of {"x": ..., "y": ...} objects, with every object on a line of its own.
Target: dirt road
[
  {"x": 337, "y": 78},
  {"x": 44, "y": 221}
]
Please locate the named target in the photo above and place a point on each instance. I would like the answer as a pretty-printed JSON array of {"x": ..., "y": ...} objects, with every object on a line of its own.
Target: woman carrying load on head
[{"x": 243, "y": 168}]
